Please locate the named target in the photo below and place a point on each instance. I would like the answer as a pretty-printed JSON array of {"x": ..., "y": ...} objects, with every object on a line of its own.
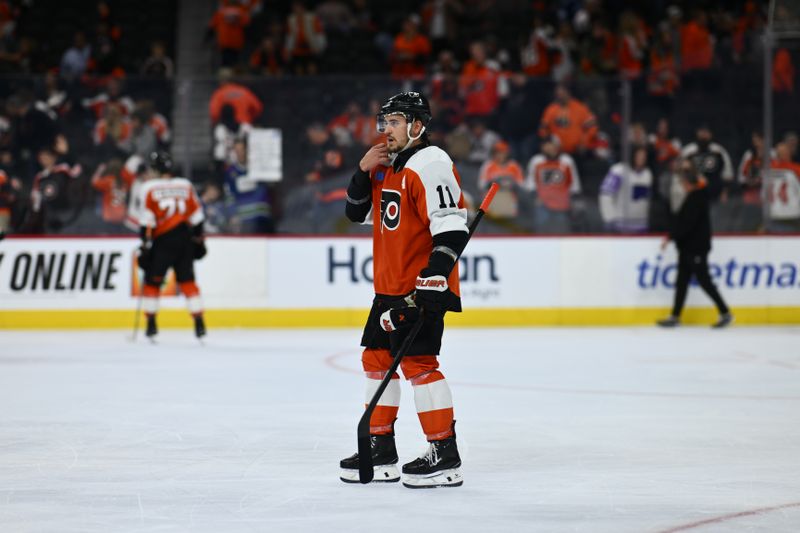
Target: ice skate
[
  {"x": 725, "y": 320},
  {"x": 152, "y": 328},
  {"x": 669, "y": 322},
  {"x": 384, "y": 461},
  {"x": 199, "y": 327},
  {"x": 439, "y": 466}
]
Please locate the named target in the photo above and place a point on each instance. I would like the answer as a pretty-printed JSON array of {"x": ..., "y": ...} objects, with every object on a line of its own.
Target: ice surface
[{"x": 561, "y": 430}]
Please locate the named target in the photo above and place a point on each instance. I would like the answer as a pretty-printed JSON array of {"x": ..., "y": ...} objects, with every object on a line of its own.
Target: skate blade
[
  {"x": 446, "y": 478},
  {"x": 383, "y": 474}
]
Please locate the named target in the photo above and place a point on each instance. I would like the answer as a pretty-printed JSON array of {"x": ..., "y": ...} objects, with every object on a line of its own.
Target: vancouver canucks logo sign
[{"x": 390, "y": 209}]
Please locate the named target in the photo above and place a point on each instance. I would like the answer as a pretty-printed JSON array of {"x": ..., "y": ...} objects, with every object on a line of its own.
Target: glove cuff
[{"x": 436, "y": 283}]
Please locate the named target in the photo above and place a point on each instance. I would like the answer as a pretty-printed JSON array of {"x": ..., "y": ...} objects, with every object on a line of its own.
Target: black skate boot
[
  {"x": 384, "y": 461},
  {"x": 725, "y": 320},
  {"x": 669, "y": 322},
  {"x": 199, "y": 327},
  {"x": 440, "y": 466},
  {"x": 152, "y": 328}
]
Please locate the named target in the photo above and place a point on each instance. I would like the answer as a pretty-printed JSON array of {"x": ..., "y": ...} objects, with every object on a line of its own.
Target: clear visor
[{"x": 394, "y": 120}]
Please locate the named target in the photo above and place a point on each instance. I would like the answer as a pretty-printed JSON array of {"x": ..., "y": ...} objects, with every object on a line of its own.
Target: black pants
[
  {"x": 175, "y": 250},
  {"x": 695, "y": 263},
  {"x": 427, "y": 342}
]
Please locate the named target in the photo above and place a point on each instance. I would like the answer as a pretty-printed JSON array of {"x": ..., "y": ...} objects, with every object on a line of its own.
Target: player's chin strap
[{"x": 410, "y": 138}]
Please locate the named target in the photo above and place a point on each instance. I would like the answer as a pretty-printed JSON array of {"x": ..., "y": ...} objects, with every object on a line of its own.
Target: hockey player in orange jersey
[
  {"x": 171, "y": 227},
  {"x": 410, "y": 192}
]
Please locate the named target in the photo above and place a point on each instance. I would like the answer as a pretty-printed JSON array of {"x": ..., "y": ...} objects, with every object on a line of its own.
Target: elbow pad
[
  {"x": 447, "y": 248},
  {"x": 359, "y": 197}
]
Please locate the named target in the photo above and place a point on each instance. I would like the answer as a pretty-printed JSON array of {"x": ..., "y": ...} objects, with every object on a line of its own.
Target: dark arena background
[{"x": 602, "y": 122}]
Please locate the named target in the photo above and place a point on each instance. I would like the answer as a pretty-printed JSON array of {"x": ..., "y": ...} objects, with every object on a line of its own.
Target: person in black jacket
[{"x": 691, "y": 231}]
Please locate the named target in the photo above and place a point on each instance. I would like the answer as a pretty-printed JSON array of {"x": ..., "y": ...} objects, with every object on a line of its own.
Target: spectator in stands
[
  {"x": 324, "y": 157},
  {"x": 305, "y": 40},
  {"x": 9, "y": 193},
  {"x": 142, "y": 139},
  {"x": 784, "y": 194},
  {"x": 570, "y": 121},
  {"x": 113, "y": 190},
  {"x": 16, "y": 56},
  {"x": 697, "y": 44},
  {"x": 712, "y": 161},
  {"x": 507, "y": 173},
  {"x": 750, "y": 177},
  {"x": 156, "y": 121},
  {"x": 445, "y": 96},
  {"x": 554, "y": 179},
  {"x": 113, "y": 130},
  {"x": 9, "y": 13},
  {"x": 336, "y": 17},
  {"x": 792, "y": 140},
  {"x": 783, "y": 72},
  {"x": 352, "y": 127},
  {"x": 113, "y": 96},
  {"x": 663, "y": 77},
  {"x": 598, "y": 51},
  {"x": 158, "y": 65},
  {"x": 52, "y": 97},
  {"x": 31, "y": 129},
  {"x": 267, "y": 59},
  {"x": 625, "y": 195},
  {"x": 226, "y": 131},
  {"x": 410, "y": 51},
  {"x": 665, "y": 147},
  {"x": 247, "y": 107},
  {"x": 536, "y": 56},
  {"x": 440, "y": 21},
  {"x": 249, "y": 202},
  {"x": 228, "y": 24},
  {"x": 104, "y": 50},
  {"x": 632, "y": 43},
  {"x": 481, "y": 84},
  {"x": 57, "y": 194},
  {"x": 697, "y": 51},
  {"x": 481, "y": 140},
  {"x": 75, "y": 60},
  {"x": 564, "y": 46}
]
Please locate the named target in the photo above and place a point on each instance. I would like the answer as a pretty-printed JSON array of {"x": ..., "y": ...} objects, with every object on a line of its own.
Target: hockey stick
[
  {"x": 136, "y": 317},
  {"x": 365, "y": 466}
]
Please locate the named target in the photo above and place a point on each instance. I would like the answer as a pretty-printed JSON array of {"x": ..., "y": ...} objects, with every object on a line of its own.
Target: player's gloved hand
[
  {"x": 399, "y": 318},
  {"x": 431, "y": 293},
  {"x": 199, "y": 249},
  {"x": 145, "y": 255}
]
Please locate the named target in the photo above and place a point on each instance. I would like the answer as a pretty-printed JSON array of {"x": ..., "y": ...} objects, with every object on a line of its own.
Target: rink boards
[{"x": 327, "y": 282}]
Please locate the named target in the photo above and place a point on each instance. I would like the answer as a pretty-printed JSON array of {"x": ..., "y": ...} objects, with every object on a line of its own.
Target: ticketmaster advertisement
[{"x": 328, "y": 280}]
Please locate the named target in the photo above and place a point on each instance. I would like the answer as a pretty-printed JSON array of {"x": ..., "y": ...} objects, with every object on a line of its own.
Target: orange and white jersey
[
  {"x": 554, "y": 180},
  {"x": 409, "y": 207},
  {"x": 784, "y": 193},
  {"x": 492, "y": 171},
  {"x": 168, "y": 203}
]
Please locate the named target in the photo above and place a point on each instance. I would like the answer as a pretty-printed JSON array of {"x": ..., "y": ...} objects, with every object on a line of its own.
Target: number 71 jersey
[
  {"x": 168, "y": 203},
  {"x": 409, "y": 207}
]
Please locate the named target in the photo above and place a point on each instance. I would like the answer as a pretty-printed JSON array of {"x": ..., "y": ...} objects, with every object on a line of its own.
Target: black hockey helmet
[
  {"x": 412, "y": 105},
  {"x": 161, "y": 162}
]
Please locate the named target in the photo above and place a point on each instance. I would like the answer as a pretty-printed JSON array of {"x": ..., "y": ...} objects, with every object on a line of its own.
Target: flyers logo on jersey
[{"x": 390, "y": 209}]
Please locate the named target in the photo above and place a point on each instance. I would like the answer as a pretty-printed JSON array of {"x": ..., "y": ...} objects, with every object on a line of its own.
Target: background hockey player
[
  {"x": 172, "y": 237},
  {"x": 411, "y": 193}
]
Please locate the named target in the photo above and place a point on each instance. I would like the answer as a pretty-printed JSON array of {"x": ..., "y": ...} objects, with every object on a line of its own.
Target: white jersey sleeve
[
  {"x": 568, "y": 162},
  {"x": 441, "y": 190}
]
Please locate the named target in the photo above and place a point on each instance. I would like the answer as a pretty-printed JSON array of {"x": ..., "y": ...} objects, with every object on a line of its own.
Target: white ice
[{"x": 560, "y": 430}]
